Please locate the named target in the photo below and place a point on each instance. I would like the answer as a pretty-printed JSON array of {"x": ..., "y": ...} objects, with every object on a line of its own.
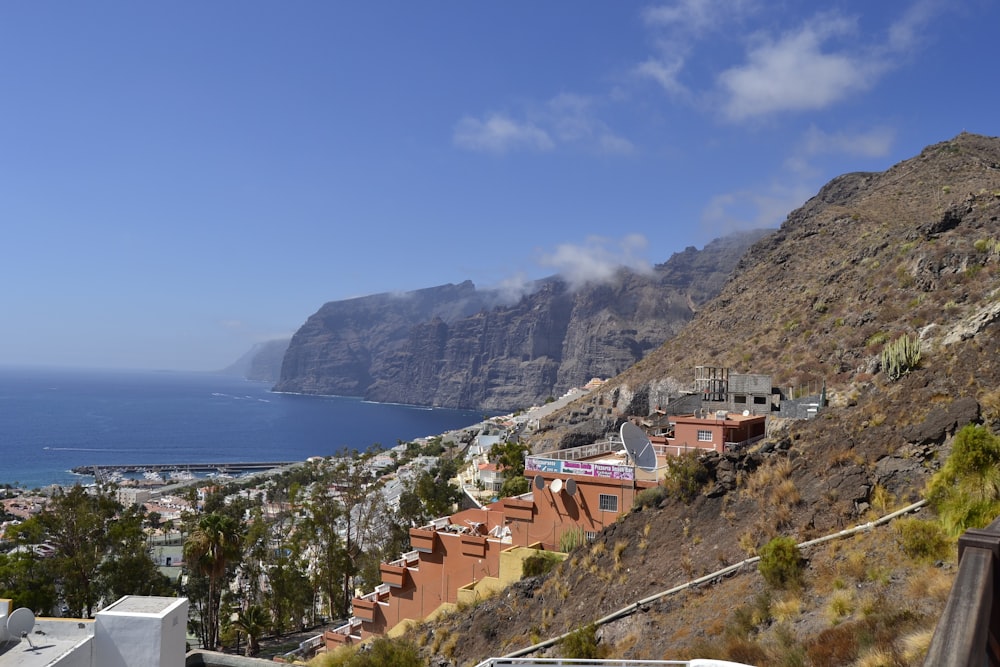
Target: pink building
[{"x": 583, "y": 489}]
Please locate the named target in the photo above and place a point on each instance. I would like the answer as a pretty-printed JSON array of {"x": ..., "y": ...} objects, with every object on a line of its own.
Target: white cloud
[
  {"x": 746, "y": 209},
  {"x": 565, "y": 120},
  {"x": 695, "y": 15},
  {"x": 598, "y": 259},
  {"x": 678, "y": 26},
  {"x": 873, "y": 143},
  {"x": 904, "y": 34},
  {"x": 796, "y": 72},
  {"x": 666, "y": 72},
  {"x": 498, "y": 134}
]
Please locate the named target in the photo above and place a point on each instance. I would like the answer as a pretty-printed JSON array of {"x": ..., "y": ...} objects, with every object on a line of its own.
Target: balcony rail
[
  {"x": 612, "y": 444},
  {"x": 968, "y": 632},
  {"x": 570, "y": 662}
]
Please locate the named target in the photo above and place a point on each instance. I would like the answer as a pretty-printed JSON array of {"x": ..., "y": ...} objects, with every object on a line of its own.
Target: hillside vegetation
[{"x": 911, "y": 253}]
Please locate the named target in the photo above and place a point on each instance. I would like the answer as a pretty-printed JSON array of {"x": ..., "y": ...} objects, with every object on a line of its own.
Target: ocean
[{"x": 52, "y": 420}]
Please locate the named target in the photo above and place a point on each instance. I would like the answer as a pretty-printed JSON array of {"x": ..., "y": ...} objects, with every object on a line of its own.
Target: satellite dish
[
  {"x": 556, "y": 485},
  {"x": 20, "y": 624},
  {"x": 539, "y": 482},
  {"x": 746, "y": 413},
  {"x": 571, "y": 487},
  {"x": 638, "y": 446}
]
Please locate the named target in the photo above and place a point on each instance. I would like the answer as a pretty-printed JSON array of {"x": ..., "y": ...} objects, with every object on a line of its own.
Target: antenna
[
  {"x": 571, "y": 487},
  {"x": 20, "y": 623},
  {"x": 556, "y": 485},
  {"x": 539, "y": 482},
  {"x": 639, "y": 447}
]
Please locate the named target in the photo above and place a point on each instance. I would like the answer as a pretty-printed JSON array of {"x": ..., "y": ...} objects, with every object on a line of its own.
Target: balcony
[
  {"x": 394, "y": 575},
  {"x": 423, "y": 540}
]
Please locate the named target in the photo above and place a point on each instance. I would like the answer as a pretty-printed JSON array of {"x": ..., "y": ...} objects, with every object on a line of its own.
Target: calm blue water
[{"x": 52, "y": 420}]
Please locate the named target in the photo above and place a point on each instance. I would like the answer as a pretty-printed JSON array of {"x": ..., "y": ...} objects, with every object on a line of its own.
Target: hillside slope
[{"x": 912, "y": 251}]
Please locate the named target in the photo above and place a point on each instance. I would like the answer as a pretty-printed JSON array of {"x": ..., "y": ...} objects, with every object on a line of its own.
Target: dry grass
[
  {"x": 787, "y": 609},
  {"x": 914, "y": 646},
  {"x": 929, "y": 582},
  {"x": 840, "y": 606}
]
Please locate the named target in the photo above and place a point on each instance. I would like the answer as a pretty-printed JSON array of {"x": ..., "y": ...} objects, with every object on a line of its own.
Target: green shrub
[
  {"x": 922, "y": 540},
  {"x": 685, "y": 476},
  {"x": 541, "y": 562},
  {"x": 582, "y": 644},
  {"x": 966, "y": 491},
  {"x": 650, "y": 497},
  {"x": 385, "y": 651},
  {"x": 781, "y": 563},
  {"x": 382, "y": 651}
]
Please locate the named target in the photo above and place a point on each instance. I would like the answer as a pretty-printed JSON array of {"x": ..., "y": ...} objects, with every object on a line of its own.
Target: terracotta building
[{"x": 471, "y": 553}]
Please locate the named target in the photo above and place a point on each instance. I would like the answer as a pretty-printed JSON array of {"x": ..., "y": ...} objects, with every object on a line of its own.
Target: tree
[
  {"x": 325, "y": 547},
  {"x": 129, "y": 570},
  {"x": 213, "y": 545},
  {"x": 353, "y": 478},
  {"x": 78, "y": 524},
  {"x": 254, "y": 621},
  {"x": 509, "y": 457},
  {"x": 26, "y": 580}
]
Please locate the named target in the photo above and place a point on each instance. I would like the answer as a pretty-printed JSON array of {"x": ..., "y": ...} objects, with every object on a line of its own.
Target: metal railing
[
  {"x": 589, "y": 662},
  {"x": 968, "y": 632}
]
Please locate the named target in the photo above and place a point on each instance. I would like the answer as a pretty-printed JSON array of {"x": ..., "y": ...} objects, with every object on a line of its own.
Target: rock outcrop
[{"x": 457, "y": 346}]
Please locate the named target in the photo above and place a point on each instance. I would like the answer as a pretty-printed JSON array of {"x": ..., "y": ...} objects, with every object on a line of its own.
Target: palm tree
[
  {"x": 208, "y": 550},
  {"x": 254, "y": 622}
]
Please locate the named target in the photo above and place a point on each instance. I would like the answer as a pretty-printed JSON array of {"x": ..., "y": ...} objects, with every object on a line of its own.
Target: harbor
[{"x": 178, "y": 471}]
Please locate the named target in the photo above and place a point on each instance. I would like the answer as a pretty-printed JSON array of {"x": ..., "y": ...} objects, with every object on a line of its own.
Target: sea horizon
[{"x": 53, "y": 419}]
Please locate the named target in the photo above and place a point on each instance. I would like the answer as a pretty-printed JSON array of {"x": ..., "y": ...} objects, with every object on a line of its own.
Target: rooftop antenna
[
  {"x": 639, "y": 447},
  {"x": 20, "y": 623}
]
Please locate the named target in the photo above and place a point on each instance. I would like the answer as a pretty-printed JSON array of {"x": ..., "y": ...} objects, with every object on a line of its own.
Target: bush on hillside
[
  {"x": 582, "y": 644},
  {"x": 923, "y": 540},
  {"x": 781, "y": 563},
  {"x": 541, "y": 562},
  {"x": 686, "y": 476},
  {"x": 650, "y": 497},
  {"x": 966, "y": 491}
]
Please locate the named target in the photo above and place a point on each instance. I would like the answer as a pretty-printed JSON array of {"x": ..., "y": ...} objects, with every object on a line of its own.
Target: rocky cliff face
[
  {"x": 456, "y": 346},
  {"x": 262, "y": 363}
]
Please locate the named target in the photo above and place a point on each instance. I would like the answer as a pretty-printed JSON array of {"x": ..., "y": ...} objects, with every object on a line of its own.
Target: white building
[{"x": 135, "y": 631}]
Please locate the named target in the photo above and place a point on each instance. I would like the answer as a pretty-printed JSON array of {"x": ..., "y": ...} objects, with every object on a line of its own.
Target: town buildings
[{"x": 582, "y": 490}]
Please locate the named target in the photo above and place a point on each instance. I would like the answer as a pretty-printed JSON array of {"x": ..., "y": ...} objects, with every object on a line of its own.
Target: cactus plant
[{"x": 900, "y": 356}]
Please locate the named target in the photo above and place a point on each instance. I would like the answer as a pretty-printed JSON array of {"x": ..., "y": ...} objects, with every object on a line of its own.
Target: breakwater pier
[{"x": 105, "y": 472}]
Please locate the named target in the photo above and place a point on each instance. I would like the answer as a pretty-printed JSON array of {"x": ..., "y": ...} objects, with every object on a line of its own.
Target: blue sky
[{"x": 180, "y": 180}]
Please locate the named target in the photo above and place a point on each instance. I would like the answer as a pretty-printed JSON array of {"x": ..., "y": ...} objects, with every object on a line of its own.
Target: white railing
[
  {"x": 569, "y": 662},
  {"x": 612, "y": 444}
]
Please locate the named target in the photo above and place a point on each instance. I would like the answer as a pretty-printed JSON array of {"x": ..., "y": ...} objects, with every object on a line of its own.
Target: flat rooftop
[{"x": 52, "y": 638}]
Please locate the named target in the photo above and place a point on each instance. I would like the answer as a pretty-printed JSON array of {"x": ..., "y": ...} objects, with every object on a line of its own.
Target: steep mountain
[
  {"x": 261, "y": 363},
  {"x": 456, "y": 346},
  {"x": 912, "y": 251}
]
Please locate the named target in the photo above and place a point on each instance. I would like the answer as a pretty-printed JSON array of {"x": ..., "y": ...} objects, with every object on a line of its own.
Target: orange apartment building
[{"x": 471, "y": 553}]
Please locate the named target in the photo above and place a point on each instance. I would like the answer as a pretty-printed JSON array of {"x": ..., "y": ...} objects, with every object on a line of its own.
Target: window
[
  {"x": 608, "y": 503},
  {"x": 591, "y": 535},
  {"x": 739, "y": 398},
  {"x": 704, "y": 436},
  {"x": 760, "y": 400}
]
